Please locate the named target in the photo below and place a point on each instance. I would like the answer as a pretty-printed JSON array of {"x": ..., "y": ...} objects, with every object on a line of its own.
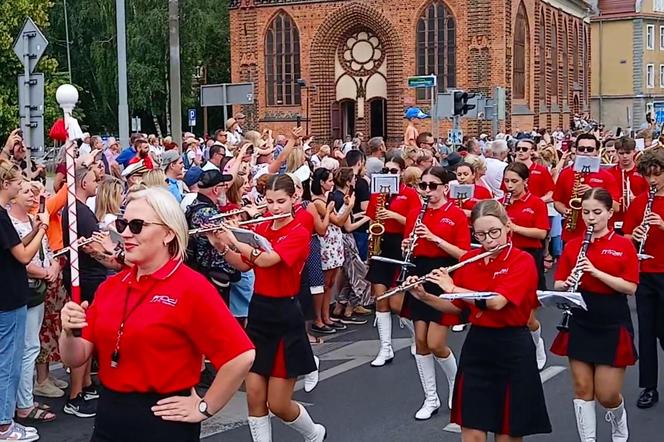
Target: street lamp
[{"x": 303, "y": 85}]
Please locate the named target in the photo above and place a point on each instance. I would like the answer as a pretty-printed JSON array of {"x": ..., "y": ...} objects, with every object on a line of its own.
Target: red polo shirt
[
  {"x": 291, "y": 242},
  {"x": 540, "y": 181},
  {"x": 305, "y": 218},
  {"x": 637, "y": 184},
  {"x": 406, "y": 200},
  {"x": 528, "y": 211},
  {"x": 612, "y": 254},
  {"x": 447, "y": 222},
  {"x": 563, "y": 193},
  {"x": 655, "y": 242},
  {"x": 513, "y": 274},
  {"x": 174, "y": 317},
  {"x": 480, "y": 193}
]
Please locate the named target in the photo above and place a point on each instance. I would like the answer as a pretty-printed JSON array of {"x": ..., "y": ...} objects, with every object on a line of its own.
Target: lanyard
[{"x": 115, "y": 357}]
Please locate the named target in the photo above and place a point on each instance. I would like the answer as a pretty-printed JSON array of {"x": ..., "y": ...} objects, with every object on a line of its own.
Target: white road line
[{"x": 549, "y": 372}]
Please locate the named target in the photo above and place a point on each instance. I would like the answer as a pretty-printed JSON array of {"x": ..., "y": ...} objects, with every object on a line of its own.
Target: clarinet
[
  {"x": 412, "y": 239},
  {"x": 577, "y": 272},
  {"x": 646, "y": 212}
]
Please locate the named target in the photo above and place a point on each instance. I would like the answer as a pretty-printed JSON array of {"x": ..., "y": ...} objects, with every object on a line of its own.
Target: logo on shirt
[
  {"x": 528, "y": 210},
  {"x": 612, "y": 252},
  {"x": 536, "y": 172},
  {"x": 163, "y": 299},
  {"x": 596, "y": 180},
  {"x": 499, "y": 272},
  {"x": 447, "y": 221}
]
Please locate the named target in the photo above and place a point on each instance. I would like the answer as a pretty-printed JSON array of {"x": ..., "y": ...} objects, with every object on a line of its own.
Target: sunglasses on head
[
  {"x": 135, "y": 225},
  {"x": 585, "y": 149},
  {"x": 393, "y": 170},
  {"x": 432, "y": 186}
]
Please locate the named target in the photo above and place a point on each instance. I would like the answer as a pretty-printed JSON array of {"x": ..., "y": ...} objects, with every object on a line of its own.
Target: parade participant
[
  {"x": 571, "y": 185},
  {"x": 389, "y": 211},
  {"x": 276, "y": 323},
  {"x": 466, "y": 173},
  {"x": 150, "y": 326},
  {"x": 14, "y": 256},
  {"x": 441, "y": 235},
  {"x": 626, "y": 175},
  {"x": 529, "y": 224},
  {"x": 498, "y": 387},
  {"x": 599, "y": 342},
  {"x": 650, "y": 293},
  {"x": 540, "y": 182}
]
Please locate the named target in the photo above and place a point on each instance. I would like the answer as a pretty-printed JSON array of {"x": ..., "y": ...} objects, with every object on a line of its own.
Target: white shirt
[
  {"x": 493, "y": 178},
  {"x": 210, "y": 166},
  {"x": 187, "y": 200}
]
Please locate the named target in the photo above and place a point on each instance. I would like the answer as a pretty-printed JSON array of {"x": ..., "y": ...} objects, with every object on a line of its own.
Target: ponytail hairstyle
[
  {"x": 489, "y": 208},
  {"x": 320, "y": 175},
  {"x": 439, "y": 172},
  {"x": 518, "y": 168},
  {"x": 281, "y": 182},
  {"x": 599, "y": 194}
]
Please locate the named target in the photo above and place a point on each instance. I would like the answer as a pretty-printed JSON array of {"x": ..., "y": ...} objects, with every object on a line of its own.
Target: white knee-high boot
[
  {"x": 618, "y": 418},
  {"x": 261, "y": 428},
  {"x": 386, "y": 354},
  {"x": 449, "y": 366},
  {"x": 539, "y": 346},
  {"x": 586, "y": 420},
  {"x": 303, "y": 424},
  {"x": 427, "y": 371}
]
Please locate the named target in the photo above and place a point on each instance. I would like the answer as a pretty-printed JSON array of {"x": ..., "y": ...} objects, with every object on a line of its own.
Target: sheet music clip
[
  {"x": 476, "y": 296},
  {"x": 392, "y": 261},
  {"x": 562, "y": 300}
]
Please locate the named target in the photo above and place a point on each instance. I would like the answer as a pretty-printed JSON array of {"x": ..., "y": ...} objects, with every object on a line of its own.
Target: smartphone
[
  {"x": 42, "y": 204},
  {"x": 298, "y": 121}
]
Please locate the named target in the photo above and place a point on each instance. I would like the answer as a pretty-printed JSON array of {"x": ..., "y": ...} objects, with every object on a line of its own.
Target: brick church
[{"x": 343, "y": 65}]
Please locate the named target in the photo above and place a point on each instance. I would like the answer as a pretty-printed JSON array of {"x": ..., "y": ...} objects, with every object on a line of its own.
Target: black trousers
[{"x": 650, "y": 311}]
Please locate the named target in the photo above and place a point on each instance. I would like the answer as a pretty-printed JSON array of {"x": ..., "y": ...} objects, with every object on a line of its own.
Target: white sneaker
[
  {"x": 17, "y": 432},
  {"x": 541, "y": 354},
  {"x": 311, "y": 379},
  {"x": 459, "y": 328}
]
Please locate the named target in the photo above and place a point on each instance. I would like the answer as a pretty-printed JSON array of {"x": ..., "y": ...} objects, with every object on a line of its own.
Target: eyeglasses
[
  {"x": 135, "y": 225},
  {"x": 585, "y": 149},
  {"x": 393, "y": 170},
  {"x": 492, "y": 233},
  {"x": 432, "y": 186},
  {"x": 522, "y": 149}
]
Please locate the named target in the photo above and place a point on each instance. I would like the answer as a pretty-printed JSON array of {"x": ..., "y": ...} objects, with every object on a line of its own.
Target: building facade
[
  {"x": 628, "y": 61},
  {"x": 354, "y": 58}
]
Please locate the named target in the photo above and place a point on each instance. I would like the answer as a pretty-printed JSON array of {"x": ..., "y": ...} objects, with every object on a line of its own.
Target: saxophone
[
  {"x": 574, "y": 203},
  {"x": 376, "y": 229}
]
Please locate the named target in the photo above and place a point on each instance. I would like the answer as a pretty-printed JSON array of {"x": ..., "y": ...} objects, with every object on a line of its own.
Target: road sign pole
[
  {"x": 123, "y": 106},
  {"x": 26, "y": 88}
]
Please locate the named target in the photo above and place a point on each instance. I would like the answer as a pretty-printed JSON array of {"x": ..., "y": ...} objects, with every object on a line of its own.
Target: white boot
[
  {"x": 261, "y": 428},
  {"x": 540, "y": 349},
  {"x": 405, "y": 322},
  {"x": 386, "y": 354},
  {"x": 449, "y": 366},
  {"x": 311, "y": 379},
  {"x": 586, "y": 420},
  {"x": 618, "y": 418},
  {"x": 427, "y": 371},
  {"x": 303, "y": 424}
]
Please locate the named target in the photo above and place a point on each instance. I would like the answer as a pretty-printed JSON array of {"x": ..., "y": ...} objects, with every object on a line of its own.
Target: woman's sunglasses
[
  {"x": 432, "y": 186},
  {"x": 522, "y": 149},
  {"x": 393, "y": 170},
  {"x": 135, "y": 225}
]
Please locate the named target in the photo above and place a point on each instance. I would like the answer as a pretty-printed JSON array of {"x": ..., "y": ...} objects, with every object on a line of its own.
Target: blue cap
[
  {"x": 415, "y": 112},
  {"x": 193, "y": 176}
]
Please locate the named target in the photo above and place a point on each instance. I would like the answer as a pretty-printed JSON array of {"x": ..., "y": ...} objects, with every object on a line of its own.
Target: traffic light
[{"x": 461, "y": 106}]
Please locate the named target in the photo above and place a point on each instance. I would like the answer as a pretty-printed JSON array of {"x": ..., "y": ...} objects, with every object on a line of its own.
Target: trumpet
[
  {"x": 413, "y": 239},
  {"x": 403, "y": 287},
  {"x": 577, "y": 273},
  {"x": 648, "y": 210},
  {"x": 626, "y": 191},
  {"x": 243, "y": 223}
]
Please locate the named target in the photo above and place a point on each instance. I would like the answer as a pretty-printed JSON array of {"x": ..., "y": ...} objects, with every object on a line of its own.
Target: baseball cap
[
  {"x": 168, "y": 157},
  {"x": 135, "y": 168},
  {"x": 192, "y": 176},
  {"x": 415, "y": 112},
  {"x": 211, "y": 178}
]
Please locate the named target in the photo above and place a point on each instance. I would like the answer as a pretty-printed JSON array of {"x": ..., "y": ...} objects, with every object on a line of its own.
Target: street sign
[
  {"x": 455, "y": 136},
  {"x": 135, "y": 124},
  {"x": 192, "y": 117},
  {"x": 225, "y": 94},
  {"x": 500, "y": 102},
  {"x": 422, "y": 81},
  {"x": 33, "y": 104},
  {"x": 33, "y": 130},
  {"x": 30, "y": 45},
  {"x": 444, "y": 105},
  {"x": 658, "y": 109}
]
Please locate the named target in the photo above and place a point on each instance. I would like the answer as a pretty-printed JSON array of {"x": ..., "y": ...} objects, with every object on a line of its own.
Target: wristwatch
[
  {"x": 203, "y": 408},
  {"x": 255, "y": 253}
]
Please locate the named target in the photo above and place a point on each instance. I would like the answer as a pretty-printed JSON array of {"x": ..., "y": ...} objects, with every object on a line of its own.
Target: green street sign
[{"x": 422, "y": 81}]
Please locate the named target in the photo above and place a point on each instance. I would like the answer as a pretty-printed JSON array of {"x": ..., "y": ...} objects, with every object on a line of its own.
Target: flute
[
  {"x": 235, "y": 212},
  {"x": 243, "y": 223},
  {"x": 421, "y": 279}
]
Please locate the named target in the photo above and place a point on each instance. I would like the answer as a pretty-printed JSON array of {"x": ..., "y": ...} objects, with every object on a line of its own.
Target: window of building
[
  {"x": 565, "y": 65},
  {"x": 661, "y": 75},
  {"x": 282, "y": 62},
  {"x": 650, "y": 37},
  {"x": 650, "y": 76},
  {"x": 658, "y": 6},
  {"x": 519, "y": 76},
  {"x": 542, "y": 55},
  {"x": 661, "y": 37},
  {"x": 554, "y": 57},
  {"x": 575, "y": 48},
  {"x": 436, "y": 47}
]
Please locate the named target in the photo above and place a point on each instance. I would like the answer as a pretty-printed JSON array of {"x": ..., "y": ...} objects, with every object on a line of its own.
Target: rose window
[{"x": 362, "y": 53}]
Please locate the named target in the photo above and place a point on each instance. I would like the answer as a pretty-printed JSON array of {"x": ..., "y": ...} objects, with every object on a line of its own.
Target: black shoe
[
  {"x": 648, "y": 398},
  {"x": 336, "y": 325},
  {"x": 352, "y": 320},
  {"x": 90, "y": 392},
  {"x": 79, "y": 407},
  {"x": 324, "y": 329}
]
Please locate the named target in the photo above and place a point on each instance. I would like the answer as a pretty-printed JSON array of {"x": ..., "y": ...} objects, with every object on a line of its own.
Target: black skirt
[
  {"x": 415, "y": 309},
  {"x": 127, "y": 417},
  {"x": 498, "y": 387},
  {"x": 538, "y": 254},
  {"x": 276, "y": 327},
  {"x": 383, "y": 272},
  {"x": 603, "y": 335}
]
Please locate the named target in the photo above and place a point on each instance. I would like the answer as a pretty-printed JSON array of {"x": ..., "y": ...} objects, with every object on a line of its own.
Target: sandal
[
  {"x": 41, "y": 406},
  {"x": 314, "y": 340},
  {"x": 36, "y": 415}
]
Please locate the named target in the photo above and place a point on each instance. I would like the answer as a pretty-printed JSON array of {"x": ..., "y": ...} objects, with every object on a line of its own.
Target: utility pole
[
  {"x": 123, "y": 106},
  {"x": 174, "y": 52}
]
